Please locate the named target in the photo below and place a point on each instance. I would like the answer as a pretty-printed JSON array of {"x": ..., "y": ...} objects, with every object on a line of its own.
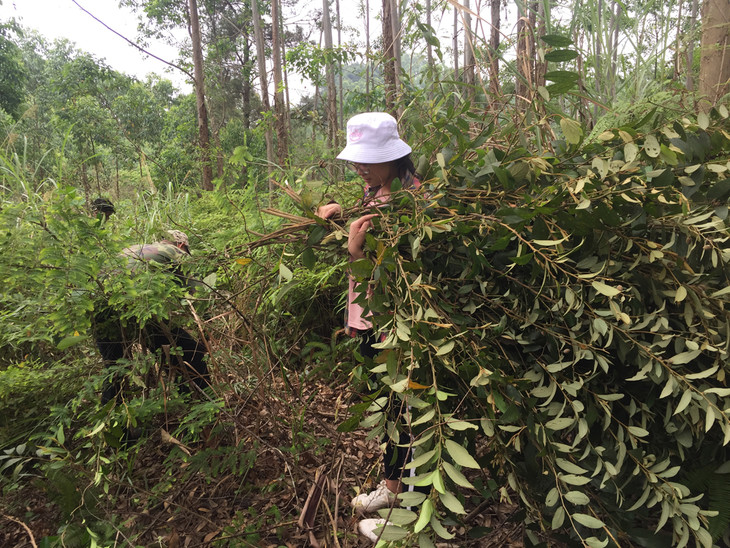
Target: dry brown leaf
[{"x": 211, "y": 536}]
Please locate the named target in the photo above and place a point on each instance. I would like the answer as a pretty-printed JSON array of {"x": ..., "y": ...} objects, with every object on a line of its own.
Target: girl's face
[{"x": 375, "y": 175}]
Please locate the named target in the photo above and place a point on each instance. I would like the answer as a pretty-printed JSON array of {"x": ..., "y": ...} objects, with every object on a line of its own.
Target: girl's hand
[
  {"x": 329, "y": 210},
  {"x": 356, "y": 237}
]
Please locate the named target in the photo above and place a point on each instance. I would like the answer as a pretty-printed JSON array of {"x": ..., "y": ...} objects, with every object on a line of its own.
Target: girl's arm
[
  {"x": 356, "y": 236},
  {"x": 326, "y": 211}
]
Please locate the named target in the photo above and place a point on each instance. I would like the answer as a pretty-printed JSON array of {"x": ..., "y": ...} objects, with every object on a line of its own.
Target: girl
[{"x": 376, "y": 153}]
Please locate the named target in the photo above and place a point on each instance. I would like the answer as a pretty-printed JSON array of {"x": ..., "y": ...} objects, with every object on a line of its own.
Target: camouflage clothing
[
  {"x": 164, "y": 252},
  {"x": 115, "y": 338}
]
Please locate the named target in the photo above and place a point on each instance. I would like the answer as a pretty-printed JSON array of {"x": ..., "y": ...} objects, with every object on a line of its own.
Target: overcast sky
[{"x": 64, "y": 19}]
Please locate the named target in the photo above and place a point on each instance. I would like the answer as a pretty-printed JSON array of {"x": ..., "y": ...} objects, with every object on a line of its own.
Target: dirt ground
[{"x": 261, "y": 504}]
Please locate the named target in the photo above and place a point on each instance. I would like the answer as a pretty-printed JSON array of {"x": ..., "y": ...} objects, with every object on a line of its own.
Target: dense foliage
[
  {"x": 552, "y": 299},
  {"x": 557, "y": 327}
]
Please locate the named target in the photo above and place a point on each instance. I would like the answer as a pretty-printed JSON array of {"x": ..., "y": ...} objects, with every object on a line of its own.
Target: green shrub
[{"x": 559, "y": 325}]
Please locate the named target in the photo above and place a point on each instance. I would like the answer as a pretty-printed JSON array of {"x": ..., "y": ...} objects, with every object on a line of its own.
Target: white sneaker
[
  {"x": 367, "y": 528},
  {"x": 382, "y": 497}
]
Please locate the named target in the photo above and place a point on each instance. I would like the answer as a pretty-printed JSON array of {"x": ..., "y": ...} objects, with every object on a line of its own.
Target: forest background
[{"x": 554, "y": 298}]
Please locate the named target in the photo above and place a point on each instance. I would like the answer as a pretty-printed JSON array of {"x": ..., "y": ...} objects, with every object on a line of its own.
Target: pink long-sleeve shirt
[{"x": 356, "y": 316}]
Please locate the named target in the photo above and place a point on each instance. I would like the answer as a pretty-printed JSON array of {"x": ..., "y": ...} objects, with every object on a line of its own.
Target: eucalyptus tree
[
  {"x": 331, "y": 109},
  {"x": 141, "y": 115},
  {"x": 525, "y": 78},
  {"x": 280, "y": 114},
  {"x": 258, "y": 27},
  {"x": 469, "y": 39},
  {"x": 166, "y": 15},
  {"x": 199, "y": 84},
  {"x": 390, "y": 68},
  {"x": 12, "y": 74},
  {"x": 715, "y": 62},
  {"x": 40, "y": 61},
  {"x": 82, "y": 88},
  {"x": 493, "y": 50},
  {"x": 690, "y": 43}
]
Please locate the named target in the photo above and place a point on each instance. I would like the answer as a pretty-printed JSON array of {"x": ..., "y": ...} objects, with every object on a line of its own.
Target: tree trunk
[
  {"x": 203, "y": 131},
  {"x": 689, "y": 81},
  {"x": 429, "y": 47},
  {"x": 469, "y": 71},
  {"x": 525, "y": 64},
  {"x": 341, "y": 119},
  {"x": 389, "y": 58},
  {"x": 282, "y": 138},
  {"x": 715, "y": 60},
  {"x": 455, "y": 44},
  {"x": 330, "y": 73},
  {"x": 598, "y": 33},
  {"x": 616, "y": 14},
  {"x": 494, "y": 87},
  {"x": 287, "y": 105},
  {"x": 395, "y": 23},
  {"x": 368, "y": 59},
  {"x": 541, "y": 18},
  {"x": 247, "y": 90},
  {"x": 261, "y": 56}
]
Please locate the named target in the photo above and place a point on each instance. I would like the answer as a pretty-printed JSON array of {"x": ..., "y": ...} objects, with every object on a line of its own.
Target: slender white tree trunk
[{"x": 261, "y": 57}]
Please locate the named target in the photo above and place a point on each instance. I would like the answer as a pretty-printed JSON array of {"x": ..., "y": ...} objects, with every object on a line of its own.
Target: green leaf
[
  {"x": 308, "y": 258},
  {"x": 440, "y": 530},
  {"x": 460, "y": 455},
  {"x": 421, "y": 459},
  {"x": 558, "y": 518},
  {"x": 562, "y": 76},
  {"x": 703, "y": 120},
  {"x": 561, "y": 55},
  {"x": 572, "y": 130},
  {"x": 684, "y": 357},
  {"x": 556, "y": 40},
  {"x": 392, "y": 533},
  {"x": 285, "y": 273},
  {"x": 425, "y": 516},
  {"x": 552, "y": 497},
  {"x": 461, "y": 425},
  {"x": 560, "y": 423},
  {"x": 572, "y": 479},
  {"x": 452, "y": 503},
  {"x": 638, "y": 431},
  {"x": 438, "y": 481},
  {"x": 411, "y": 498},
  {"x": 398, "y": 516},
  {"x": 456, "y": 476},
  {"x": 445, "y": 348},
  {"x": 703, "y": 374},
  {"x": 576, "y": 497},
  {"x": 570, "y": 467},
  {"x": 651, "y": 146},
  {"x": 593, "y": 542},
  {"x": 605, "y": 289},
  {"x": 588, "y": 521},
  {"x": 68, "y": 342},
  {"x": 683, "y": 402}
]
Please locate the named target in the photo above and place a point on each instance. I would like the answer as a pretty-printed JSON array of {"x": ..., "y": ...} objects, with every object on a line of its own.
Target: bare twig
[{"x": 27, "y": 529}]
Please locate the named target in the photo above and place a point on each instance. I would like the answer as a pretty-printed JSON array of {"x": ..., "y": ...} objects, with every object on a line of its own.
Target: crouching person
[{"x": 116, "y": 332}]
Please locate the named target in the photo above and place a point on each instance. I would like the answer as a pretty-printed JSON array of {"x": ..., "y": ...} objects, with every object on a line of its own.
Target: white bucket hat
[{"x": 372, "y": 138}]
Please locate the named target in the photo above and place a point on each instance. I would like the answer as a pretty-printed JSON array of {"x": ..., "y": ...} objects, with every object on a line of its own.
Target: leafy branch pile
[{"x": 557, "y": 331}]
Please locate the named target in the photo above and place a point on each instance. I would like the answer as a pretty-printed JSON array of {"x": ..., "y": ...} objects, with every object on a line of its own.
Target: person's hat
[
  {"x": 103, "y": 205},
  {"x": 372, "y": 138},
  {"x": 179, "y": 237}
]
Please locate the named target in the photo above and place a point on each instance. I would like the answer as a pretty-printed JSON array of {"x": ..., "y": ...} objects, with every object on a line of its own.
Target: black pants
[
  {"x": 114, "y": 342},
  {"x": 396, "y": 454}
]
